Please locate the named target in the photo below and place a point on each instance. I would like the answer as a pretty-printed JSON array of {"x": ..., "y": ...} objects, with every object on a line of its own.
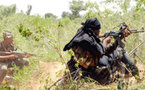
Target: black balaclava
[
  {"x": 86, "y": 39},
  {"x": 92, "y": 23}
]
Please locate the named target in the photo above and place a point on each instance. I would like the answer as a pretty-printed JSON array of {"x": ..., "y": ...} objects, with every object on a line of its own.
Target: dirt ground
[{"x": 49, "y": 72}]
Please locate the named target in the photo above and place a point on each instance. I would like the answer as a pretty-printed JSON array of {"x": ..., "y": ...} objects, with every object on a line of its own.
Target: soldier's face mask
[{"x": 97, "y": 31}]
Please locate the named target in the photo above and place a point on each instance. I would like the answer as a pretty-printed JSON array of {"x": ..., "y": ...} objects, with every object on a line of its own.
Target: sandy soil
[{"x": 50, "y": 72}]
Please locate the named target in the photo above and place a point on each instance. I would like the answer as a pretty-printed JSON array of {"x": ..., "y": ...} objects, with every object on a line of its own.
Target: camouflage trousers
[
  {"x": 101, "y": 75},
  {"x": 8, "y": 64}
]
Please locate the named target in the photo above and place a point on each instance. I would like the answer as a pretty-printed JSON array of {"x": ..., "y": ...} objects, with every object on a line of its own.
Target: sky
[
  {"x": 44, "y": 6},
  {"x": 41, "y": 6}
]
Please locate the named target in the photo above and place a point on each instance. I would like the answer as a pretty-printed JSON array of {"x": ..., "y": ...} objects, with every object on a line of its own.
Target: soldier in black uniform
[{"x": 88, "y": 49}]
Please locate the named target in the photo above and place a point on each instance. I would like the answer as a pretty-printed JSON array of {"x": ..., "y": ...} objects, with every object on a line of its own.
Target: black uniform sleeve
[{"x": 111, "y": 48}]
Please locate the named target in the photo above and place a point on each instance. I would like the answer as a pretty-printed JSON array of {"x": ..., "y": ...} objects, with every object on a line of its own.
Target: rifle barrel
[
  {"x": 5, "y": 53},
  {"x": 137, "y": 31}
]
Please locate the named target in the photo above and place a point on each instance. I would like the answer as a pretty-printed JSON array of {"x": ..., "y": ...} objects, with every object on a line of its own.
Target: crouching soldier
[
  {"x": 7, "y": 61},
  {"x": 88, "y": 49}
]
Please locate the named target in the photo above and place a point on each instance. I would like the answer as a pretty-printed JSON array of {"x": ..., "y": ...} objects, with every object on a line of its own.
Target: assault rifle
[
  {"x": 118, "y": 33},
  {"x": 19, "y": 54},
  {"x": 121, "y": 32}
]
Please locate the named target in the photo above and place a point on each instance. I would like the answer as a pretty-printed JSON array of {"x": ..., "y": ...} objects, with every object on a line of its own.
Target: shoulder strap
[{"x": 2, "y": 48}]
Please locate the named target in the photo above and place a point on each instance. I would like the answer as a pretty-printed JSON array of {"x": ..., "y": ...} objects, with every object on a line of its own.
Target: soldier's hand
[
  {"x": 12, "y": 57},
  {"x": 127, "y": 33},
  {"x": 107, "y": 41}
]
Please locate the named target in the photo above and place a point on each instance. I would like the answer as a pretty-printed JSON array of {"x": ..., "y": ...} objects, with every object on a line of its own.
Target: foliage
[
  {"x": 48, "y": 15},
  {"x": 91, "y": 5},
  {"x": 7, "y": 10},
  {"x": 47, "y": 37},
  {"x": 140, "y": 5},
  {"x": 65, "y": 14},
  {"x": 25, "y": 32},
  {"x": 121, "y": 85},
  {"x": 76, "y": 6},
  {"x": 6, "y": 87}
]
